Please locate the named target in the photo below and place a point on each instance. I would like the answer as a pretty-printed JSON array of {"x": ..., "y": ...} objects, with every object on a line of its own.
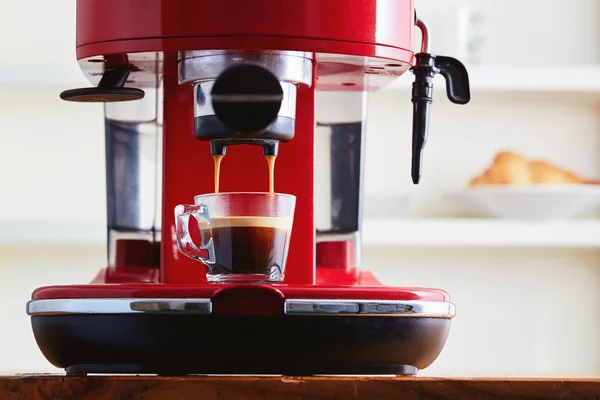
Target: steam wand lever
[{"x": 457, "y": 90}]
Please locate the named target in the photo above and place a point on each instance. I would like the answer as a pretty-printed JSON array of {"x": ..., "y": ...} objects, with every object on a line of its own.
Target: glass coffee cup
[{"x": 244, "y": 236}]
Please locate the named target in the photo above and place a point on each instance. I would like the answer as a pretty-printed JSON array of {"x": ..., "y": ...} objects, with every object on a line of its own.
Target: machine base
[
  {"x": 167, "y": 344},
  {"x": 178, "y": 370}
]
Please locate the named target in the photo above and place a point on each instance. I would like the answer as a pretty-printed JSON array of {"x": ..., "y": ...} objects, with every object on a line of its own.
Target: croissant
[
  {"x": 544, "y": 172},
  {"x": 510, "y": 168}
]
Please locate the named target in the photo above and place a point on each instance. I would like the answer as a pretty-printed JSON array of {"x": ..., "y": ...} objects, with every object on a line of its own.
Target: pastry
[
  {"x": 543, "y": 172},
  {"x": 511, "y": 168}
]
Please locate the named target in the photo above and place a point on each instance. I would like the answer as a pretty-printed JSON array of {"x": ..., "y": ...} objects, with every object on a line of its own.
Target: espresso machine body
[{"x": 167, "y": 71}]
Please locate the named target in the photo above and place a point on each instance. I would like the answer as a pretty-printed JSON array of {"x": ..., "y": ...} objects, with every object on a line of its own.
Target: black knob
[
  {"x": 247, "y": 98},
  {"x": 110, "y": 88},
  {"x": 457, "y": 79}
]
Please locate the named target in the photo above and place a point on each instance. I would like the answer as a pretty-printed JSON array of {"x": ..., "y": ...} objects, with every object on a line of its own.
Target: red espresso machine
[{"x": 183, "y": 80}]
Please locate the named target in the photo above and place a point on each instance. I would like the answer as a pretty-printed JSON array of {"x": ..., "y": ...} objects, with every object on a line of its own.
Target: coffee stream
[
  {"x": 217, "y": 159},
  {"x": 270, "y": 162}
]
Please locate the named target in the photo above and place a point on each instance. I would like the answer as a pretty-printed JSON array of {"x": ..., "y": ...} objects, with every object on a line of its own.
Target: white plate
[{"x": 535, "y": 202}]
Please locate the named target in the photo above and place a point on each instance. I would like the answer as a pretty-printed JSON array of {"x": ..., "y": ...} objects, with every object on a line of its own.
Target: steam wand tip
[
  {"x": 416, "y": 178},
  {"x": 416, "y": 167}
]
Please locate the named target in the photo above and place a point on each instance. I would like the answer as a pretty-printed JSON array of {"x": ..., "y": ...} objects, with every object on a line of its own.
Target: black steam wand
[{"x": 425, "y": 68}]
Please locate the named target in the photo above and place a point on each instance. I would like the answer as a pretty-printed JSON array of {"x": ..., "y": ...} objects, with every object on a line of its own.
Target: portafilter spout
[{"x": 250, "y": 99}]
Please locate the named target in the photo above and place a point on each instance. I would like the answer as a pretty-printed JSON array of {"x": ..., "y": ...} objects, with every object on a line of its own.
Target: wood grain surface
[{"x": 45, "y": 387}]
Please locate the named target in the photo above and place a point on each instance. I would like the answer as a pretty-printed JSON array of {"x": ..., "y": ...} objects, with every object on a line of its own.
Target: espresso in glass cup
[{"x": 244, "y": 236}]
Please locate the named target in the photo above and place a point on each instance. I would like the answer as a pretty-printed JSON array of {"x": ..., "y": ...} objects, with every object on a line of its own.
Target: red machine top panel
[{"x": 372, "y": 28}]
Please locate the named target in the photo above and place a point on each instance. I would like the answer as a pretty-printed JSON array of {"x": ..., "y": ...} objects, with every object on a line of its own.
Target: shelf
[
  {"x": 67, "y": 75},
  {"x": 37, "y": 387},
  {"x": 558, "y": 79},
  {"x": 52, "y": 233},
  {"x": 565, "y": 80},
  {"x": 480, "y": 233},
  {"x": 458, "y": 232}
]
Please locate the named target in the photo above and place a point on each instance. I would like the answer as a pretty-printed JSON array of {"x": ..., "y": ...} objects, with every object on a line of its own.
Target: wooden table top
[{"x": 56, "y": 387}]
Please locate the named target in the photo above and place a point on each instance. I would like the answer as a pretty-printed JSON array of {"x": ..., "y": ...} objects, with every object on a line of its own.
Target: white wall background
[
  {"x": 530, "y": 32},
  {"x": 521, "y": 312}
]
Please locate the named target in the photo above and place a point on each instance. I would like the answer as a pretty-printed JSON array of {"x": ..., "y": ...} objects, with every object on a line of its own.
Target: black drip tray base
[{"x": 183, "y": 344}]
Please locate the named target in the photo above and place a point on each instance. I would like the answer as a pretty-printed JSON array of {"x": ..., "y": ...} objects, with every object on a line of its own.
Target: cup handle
[{"x": 185, "y": 244}]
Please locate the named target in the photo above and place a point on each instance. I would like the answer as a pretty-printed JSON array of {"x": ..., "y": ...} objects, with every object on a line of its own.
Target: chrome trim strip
[
  {"x": 428, "y": 309},
  {"x": 416, "y": 309},
  {"x": 118, "y": 306},
  {"x": 207, "y": 65}
]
